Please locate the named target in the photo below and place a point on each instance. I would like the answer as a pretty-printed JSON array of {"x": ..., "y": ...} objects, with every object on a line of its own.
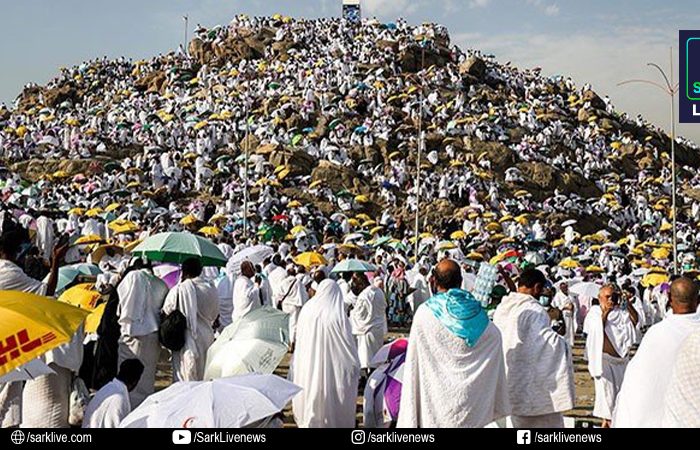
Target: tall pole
[
  {"x": 671, "y": 88},
  {"x": 420, "y": 147},
  {"x": 673, "y": 169},
  {"x": 184, "y": 45},
  {"x": 245, "y": 177}
]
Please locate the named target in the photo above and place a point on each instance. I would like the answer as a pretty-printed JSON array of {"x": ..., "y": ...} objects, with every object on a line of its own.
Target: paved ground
[{"x": 584, "y": 383}]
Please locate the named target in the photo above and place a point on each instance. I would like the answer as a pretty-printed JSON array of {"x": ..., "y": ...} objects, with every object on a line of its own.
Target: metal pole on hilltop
[
  {"x": 184, "y": 45},
  {"x": 245, "y": 177},
  {"x": 671, "y": 89},
  {"x": 673, "y": 171},
  {"x": 420, "y": 147}
]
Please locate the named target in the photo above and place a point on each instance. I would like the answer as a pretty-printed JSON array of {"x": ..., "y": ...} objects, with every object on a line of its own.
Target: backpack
[{"x": 171, "y": 332}]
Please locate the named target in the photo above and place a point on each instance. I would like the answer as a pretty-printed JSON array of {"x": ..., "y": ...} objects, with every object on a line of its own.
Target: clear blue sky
[{"x": 596, "y": 41}]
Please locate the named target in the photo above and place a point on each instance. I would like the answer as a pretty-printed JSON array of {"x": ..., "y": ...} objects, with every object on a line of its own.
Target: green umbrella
[
  {"x": 334, "y": 123},
  {"x": 353, "y": 265},
  {"x": 112, "y": 165},
  {"x": 273, "y": 232},
  {"x": 296, "y": 139},
  {"x": 382, "y": 240},
  {"x": 398, "y": 245},
  {"x": 177, "y": 247}
]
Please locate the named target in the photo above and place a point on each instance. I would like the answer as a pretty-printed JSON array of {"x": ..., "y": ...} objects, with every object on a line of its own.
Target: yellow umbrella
[
  {"x": 315, "y": 184},
  {"x": 310, "y": 259},
  {"x": 32, "y": 325},
  {"x": 660, "y": 253},
  {"x": 188, "y": 220},
  {"x": 112, "y": 206},
  {"x": 426, "y": 235},
  {"x": 102, "y": 250},
  {"x": 82, "y": 296},
  {"x": 506, "y": 218},
  {"x": 654, "y": 279},
  {"x": 294, "y": 204},
  {"x": 363, "y": 217},
  {"x": 489, "y": 215},
  {"x": 362, "y": 199},
  {"x": 120, "y": 226},
  {"x": 569, "y": 263},
  {"x": 129, "y": 247},
  {"x": 60, "y": 174},
  {"x": 369, "y": 223},
  {"x": 493, "y": 226},
  {"x": 210, "y": 231},
  {"x": 596, "y": 247},
  {"x": 393, "y": 155},
  {"x": 594, "y": 269},
  {"x": 133, "y": 184},
  {"x": 623, "y": 241},
  {"x": 297, "y": 229},
  {"x": 76, "y": 211},
  {"x": 497, "y": 237},
  {"x": 521, "y": 193},
  {"x": 376, "y": 229},
  {"x": 558, "y": 243},
  {"x": 94, "y": 212},
  {"x": 459, "y": 234},
  {"x": 89, "y": 239},
  {"x": 349, "y": 247},
  {"x": 476, "y": 256},
  {"x": 456, "y": 163},
  {"x": 92, "y": 322},
  {"x": 446, "y": 246},
  {"x": 218, "y": 218},
  {"x": 666, "y": 227},
  {"x": 353, "y": 222},
  {"x": 283, "y": 174}
]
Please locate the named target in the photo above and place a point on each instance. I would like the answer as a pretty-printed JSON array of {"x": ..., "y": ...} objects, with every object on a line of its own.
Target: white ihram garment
[
  {"x": 368, "y": 319},
  {"x": 325, "y": 363}
]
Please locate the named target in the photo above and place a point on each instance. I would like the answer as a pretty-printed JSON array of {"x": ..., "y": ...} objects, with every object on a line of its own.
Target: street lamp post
[{"x": 671, "y": 88}]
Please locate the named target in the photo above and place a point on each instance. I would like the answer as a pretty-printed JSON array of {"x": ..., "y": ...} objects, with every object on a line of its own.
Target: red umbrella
[{"x": 279, "y": 217}]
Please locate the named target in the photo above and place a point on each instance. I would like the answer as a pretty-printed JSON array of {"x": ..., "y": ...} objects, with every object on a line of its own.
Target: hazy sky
[{"x": 596, "y": 41}]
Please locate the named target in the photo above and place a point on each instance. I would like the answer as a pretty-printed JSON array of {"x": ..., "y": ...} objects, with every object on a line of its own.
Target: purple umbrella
[{"x": 169, "y": 273}]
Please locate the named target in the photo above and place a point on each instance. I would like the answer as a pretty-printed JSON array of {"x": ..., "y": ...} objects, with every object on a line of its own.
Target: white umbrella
[
  {"x": 232, "y": 402},
  {"x": 29, "y": 371},
  {"x": 586, "y": 289},
  {"x": 256, "y": 343},
  {"x": 255, "y": 254},
  {"x": 568, "y": 222},
  {"x": 569, "y": 281}
]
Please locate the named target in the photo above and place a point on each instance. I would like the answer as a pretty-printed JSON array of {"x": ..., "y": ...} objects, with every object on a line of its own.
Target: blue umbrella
[
  {"x": 67, "y": 274},
  {"x": 353, "y": 265}
]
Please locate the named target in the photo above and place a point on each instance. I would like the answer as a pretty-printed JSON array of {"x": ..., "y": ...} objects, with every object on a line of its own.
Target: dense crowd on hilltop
[{"x": 324, "y": 119}]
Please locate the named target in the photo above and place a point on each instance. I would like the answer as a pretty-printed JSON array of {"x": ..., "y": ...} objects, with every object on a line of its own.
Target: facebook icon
[{"x": 524, "y": 437}]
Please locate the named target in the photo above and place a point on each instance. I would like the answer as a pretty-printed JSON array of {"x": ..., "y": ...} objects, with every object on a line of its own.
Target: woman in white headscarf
[{"x": 325, "y": 362}]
